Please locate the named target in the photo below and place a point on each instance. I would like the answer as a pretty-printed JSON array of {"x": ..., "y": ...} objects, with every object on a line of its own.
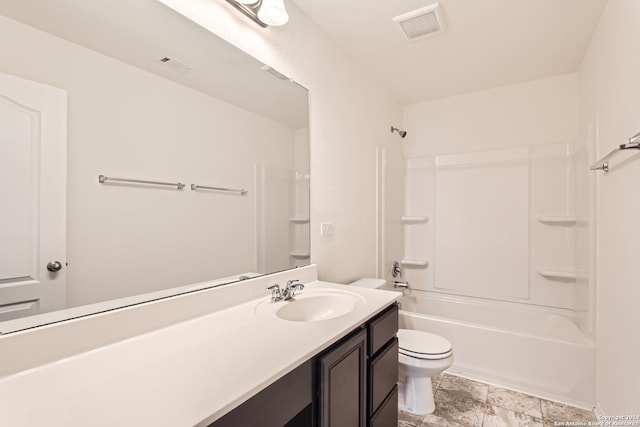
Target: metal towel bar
[
  {"x": 230, "y": 190},
  {"x": 603, "y": 163},
  {"x": 102, "y": 179}
]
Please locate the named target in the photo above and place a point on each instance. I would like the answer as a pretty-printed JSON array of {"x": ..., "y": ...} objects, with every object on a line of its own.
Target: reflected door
[{"x": 32, "y": 197}]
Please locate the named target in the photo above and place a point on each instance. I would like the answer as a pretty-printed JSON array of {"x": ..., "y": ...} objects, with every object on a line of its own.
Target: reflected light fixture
[{"x": 263, "y": 12}]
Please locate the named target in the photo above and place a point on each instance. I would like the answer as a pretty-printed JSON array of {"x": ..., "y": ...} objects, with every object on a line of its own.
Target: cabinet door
[{"x": 342, "y": 384}]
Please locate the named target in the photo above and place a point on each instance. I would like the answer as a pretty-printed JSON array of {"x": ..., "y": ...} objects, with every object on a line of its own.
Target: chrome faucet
[{"x": 293, "y": 287}]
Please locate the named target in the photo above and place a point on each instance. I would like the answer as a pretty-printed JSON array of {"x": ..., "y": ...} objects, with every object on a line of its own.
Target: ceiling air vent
[
  {"x": 175, "y": 64},
  {"x": 420, "y": 23}
]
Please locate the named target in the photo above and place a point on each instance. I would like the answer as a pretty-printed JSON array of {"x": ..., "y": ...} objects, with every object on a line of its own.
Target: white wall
[
  {"x": 349, "y": 117},
  {"x": 125, "y": 122},
  {"x": 610, "y": 112},
  {"x": 532, "y": 113}
]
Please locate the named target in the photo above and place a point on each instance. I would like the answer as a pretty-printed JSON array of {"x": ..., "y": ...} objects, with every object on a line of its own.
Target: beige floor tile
[
  {"x": 455, "y": 405},
  {"x": 557, "y": 412},
  {"x": 436, "y": 421},
  {"x": 515, "y": 401},
  {"x": 405, "y": 419},
  {"x": 501, "y": 417},
  {"x": 465, "y": 388}
]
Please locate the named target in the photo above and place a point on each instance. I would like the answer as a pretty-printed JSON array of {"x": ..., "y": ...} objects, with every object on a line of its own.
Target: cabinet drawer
[
  {"x": 382, "y": 329},
  {"x": 383, "y": 375},
  {"x": 387, "y": 414}
]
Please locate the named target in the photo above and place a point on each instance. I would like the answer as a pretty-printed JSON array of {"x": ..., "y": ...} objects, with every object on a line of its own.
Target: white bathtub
[{"x": 533, "y": 350}]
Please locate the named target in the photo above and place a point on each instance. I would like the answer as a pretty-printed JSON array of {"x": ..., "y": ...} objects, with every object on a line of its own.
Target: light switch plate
[{"x": 326, "y": 229}]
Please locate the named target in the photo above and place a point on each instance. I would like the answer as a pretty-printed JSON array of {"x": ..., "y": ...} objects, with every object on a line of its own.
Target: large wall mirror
[{"x": 132, "y": 90}]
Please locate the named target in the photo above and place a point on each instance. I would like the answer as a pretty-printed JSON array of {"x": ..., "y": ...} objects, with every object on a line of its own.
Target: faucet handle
[
  {"x": 276, "y": 292},
  {"x": 294, "y": 286}
]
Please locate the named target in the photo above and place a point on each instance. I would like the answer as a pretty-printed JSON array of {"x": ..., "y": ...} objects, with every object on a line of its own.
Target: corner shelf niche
[
  {"x": 412, "y": 219},
  {"x": 561, "y": 220},
  {"x": 420, "y": 263},
  {"x": 300, "y": 254},
  {"x": 557, "y": 274},
  {"x": 299, "y": 219}
]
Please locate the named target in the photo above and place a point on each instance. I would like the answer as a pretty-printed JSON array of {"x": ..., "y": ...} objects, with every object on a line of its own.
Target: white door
[{"x": 33, "y": 138}]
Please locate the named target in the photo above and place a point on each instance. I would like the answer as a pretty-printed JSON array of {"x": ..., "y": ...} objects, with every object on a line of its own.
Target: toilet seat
[{"x": 423, "y": 345}]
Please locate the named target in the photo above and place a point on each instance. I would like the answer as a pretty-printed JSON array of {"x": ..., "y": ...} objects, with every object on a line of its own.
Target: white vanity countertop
[{"x": 187, "y": 374}]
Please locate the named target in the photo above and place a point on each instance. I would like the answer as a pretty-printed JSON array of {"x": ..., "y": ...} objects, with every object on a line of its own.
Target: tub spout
[{"x": 398, "y": 284}]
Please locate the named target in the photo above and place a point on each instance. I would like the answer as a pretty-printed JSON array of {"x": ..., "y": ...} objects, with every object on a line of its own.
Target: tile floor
[{"x": 465, "y": 403}]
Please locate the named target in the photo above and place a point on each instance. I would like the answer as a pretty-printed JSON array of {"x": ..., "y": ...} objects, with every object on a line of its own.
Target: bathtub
[{"x": 537, "y": 351}]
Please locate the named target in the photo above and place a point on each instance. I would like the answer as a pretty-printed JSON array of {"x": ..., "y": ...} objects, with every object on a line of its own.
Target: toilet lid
[{"x": 416, "y": 343}]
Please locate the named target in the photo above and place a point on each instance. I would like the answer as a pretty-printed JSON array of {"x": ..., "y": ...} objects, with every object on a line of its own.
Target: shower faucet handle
[{"x": 396, "y": 271}]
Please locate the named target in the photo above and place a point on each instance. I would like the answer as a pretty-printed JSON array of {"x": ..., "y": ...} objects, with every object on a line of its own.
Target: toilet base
[{"x": 415, "y": 395}]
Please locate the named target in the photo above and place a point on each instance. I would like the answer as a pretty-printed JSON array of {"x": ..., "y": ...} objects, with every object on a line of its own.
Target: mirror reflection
[{"x": 134, "y": 91}]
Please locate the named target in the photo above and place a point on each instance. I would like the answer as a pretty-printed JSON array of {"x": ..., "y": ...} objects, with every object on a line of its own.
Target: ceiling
[{"x": 485, "y": 44}]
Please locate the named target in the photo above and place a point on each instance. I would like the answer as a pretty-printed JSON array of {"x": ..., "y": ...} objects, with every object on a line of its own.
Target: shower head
[{"x": 402, "y": 133}]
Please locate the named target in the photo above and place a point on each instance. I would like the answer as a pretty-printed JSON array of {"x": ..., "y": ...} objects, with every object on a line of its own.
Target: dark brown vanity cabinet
[
  {"x": 342, "y": 383},
  {"x": 358, "y": 377},
  {"x": 287, "y": 402},
  {"x": 351, "y": 384},
  {"x": 382, "y": 369}
]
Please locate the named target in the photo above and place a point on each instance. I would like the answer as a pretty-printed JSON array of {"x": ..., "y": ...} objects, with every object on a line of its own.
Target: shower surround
[{"x": 497, "y": 248}]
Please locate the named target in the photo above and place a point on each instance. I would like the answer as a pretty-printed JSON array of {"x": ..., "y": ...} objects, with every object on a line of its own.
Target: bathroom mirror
[{"x": 142, "y": 94}]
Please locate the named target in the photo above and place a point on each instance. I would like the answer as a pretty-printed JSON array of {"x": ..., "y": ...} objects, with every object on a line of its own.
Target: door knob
[{"x": 54, "y": 266}]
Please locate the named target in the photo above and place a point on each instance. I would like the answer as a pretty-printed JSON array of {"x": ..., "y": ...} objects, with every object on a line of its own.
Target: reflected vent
[
  {"x": 275, "y": 74},
  {"x": 420, "y": 23},
  {"x": 175, "y": 64}
]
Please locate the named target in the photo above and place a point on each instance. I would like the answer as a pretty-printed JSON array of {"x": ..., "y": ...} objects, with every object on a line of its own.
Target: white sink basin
[{"x": 312, "y": 305}]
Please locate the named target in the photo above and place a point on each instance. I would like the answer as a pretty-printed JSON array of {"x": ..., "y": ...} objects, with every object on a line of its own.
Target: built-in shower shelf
[
  {"x": 561, "y": 220},
  {"x": 415, "y": 263},
  {"x": 558, "y": 274},
  {"x": 300, "y": 254},
  {"x": 299, "y": 219},
  {"x": 411, "y": 219}
]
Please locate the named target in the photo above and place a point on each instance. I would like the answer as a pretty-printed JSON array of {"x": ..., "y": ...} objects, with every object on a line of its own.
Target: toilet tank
[{"x": 368, "y": 282}]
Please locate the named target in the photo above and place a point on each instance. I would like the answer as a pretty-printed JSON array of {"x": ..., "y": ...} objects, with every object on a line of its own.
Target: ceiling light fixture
[{"x": 263, "y": 12}]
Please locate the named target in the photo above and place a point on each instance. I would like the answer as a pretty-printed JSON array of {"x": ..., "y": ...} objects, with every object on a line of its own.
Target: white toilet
[{"x": 421, "y": 356}]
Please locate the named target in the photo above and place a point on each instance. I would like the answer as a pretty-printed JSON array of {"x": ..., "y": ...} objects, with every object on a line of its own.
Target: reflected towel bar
[
  {"x": 229, "y": 190},
  {"x": 102, "y": 179},
  {"x": 603, "y": 163}
]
